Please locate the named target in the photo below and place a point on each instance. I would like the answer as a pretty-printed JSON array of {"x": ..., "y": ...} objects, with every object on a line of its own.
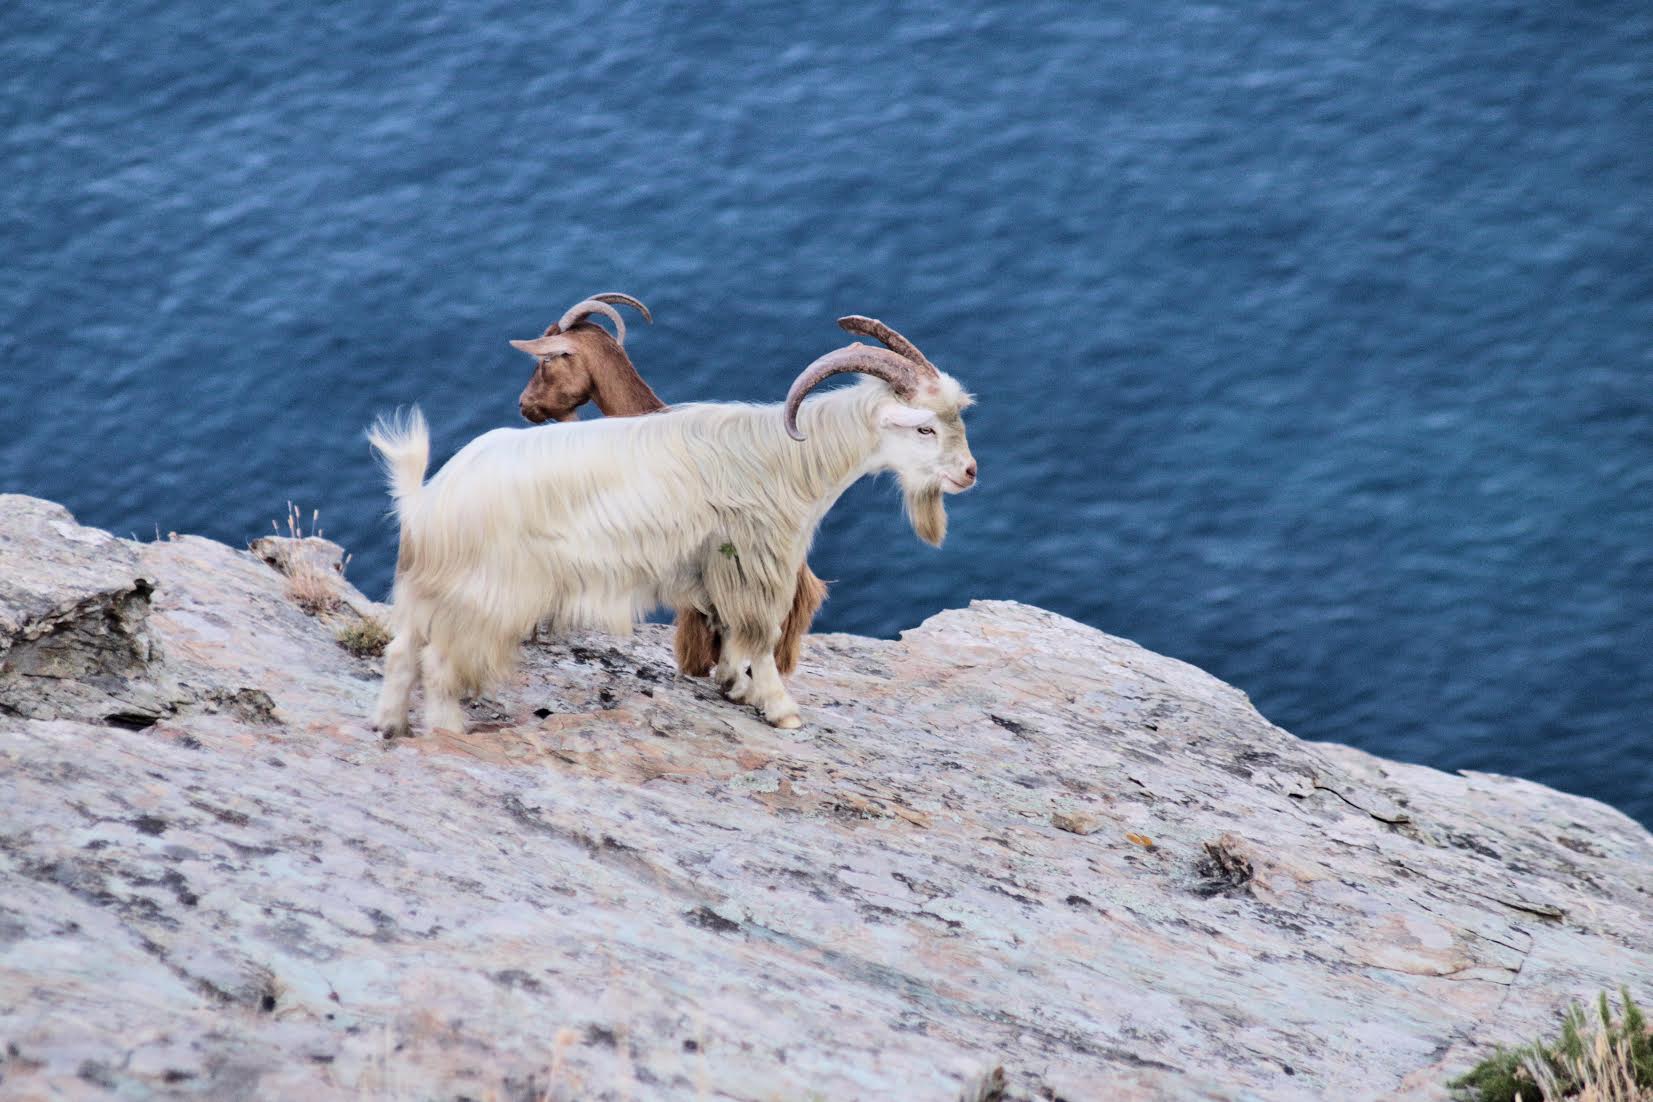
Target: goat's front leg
[
  {"x": 728, "y": 670},
  {"x": 768, "y": 692},
  {"x": 749, "y": 608},
  {"x": 732, "y": 675},
  {"x": 759, "y": 684}
]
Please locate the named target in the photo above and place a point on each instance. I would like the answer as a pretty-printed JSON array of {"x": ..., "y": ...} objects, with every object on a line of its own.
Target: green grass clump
[
  {"x": 1598, "y": 1058},
  {"x": 366, "y": 638}
]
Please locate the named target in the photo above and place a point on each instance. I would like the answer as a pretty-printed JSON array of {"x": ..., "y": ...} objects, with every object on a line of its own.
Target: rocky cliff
[{"x": 1005, "y": 840}]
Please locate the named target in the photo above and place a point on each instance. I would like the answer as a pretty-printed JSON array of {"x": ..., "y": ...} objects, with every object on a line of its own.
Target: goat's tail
[{"x": 403, "y": 443}]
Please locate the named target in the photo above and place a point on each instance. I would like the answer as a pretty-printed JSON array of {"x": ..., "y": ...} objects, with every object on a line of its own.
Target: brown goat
[{"x": 580, "y": 362}]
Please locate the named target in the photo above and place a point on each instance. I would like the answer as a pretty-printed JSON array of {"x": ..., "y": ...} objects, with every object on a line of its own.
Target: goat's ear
[
  {"x": 544, "y": 346},
  {"x": 894, "y": 415}
]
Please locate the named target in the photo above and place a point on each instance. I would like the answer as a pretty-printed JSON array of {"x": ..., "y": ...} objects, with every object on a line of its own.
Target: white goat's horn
[
  {"x": 889, "y": 338},
  {"x": 903, "y": 375},
  {"x": 594, "y": 306}
]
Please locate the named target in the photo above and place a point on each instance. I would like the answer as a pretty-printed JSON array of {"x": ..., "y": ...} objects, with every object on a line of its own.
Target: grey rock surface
[{"x": 1005, "y": 839}]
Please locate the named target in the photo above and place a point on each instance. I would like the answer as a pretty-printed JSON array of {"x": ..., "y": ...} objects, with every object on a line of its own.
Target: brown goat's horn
[
  {"x": 625, "y": 300},
  {"x": 883, "y": 334},
  {"x": 593, "y": 306},
  {"x": 903, "y": 375}
]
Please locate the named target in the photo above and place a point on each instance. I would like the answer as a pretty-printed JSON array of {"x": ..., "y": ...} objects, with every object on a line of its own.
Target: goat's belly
[
  {"x": 616, "y": 609},
  {"x": 587, "y": 611},
  {"x": 607, "y": 594}
]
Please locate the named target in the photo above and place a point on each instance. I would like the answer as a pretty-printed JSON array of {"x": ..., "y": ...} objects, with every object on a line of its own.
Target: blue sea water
[{"x": 1313, "y": 341}]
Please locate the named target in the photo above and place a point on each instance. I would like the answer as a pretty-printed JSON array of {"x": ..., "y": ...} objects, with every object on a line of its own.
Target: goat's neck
[
  {"x": 840, "y": 443},
  {"x": 620, "y": 392}
]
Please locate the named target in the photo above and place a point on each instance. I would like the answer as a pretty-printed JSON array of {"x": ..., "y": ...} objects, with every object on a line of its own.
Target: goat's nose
[{"x": 970, "y": 471}]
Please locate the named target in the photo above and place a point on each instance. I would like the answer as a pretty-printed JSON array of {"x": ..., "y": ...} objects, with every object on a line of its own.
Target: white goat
[{"x": 713, "y": 507}]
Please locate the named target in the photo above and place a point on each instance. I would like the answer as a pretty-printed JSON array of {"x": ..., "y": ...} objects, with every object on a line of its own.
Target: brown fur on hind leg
[
  {"x": 806, "y": 601},
  {"x": 696, "y": 645}
]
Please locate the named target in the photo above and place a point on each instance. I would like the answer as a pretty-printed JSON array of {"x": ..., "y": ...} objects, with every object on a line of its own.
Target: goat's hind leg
[
  {"x": 442, "y": 710},
  {"x": 390, "y": 715}
]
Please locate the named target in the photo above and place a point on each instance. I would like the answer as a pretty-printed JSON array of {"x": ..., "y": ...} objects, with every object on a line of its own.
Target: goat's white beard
[{"x": 926, "y": 512}]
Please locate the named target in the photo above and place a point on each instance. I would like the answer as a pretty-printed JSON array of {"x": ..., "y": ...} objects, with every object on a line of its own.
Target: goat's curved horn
[
  {"x": 594, "y": 306},
  {"x": 625, "y": 300},
  {"x": 883, "y": 334},
  {"x": 903, "y": 375}
]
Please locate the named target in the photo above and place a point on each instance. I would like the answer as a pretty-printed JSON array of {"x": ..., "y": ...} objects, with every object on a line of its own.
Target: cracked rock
[{"x": 74, "y": 636}]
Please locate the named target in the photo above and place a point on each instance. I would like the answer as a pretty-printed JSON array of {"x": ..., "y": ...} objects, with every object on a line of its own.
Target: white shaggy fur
[{"x": 712, "y": 506}]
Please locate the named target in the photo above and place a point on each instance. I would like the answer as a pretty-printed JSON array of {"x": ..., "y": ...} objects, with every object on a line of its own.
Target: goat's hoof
[
  {"x": 452, "y": 723},
  {"x": 788, "y": 723},
  {"x": 392, "y": 731}
]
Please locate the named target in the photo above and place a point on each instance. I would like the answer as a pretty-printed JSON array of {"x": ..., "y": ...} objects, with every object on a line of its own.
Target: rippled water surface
[{"x": 1312, "y": 340}]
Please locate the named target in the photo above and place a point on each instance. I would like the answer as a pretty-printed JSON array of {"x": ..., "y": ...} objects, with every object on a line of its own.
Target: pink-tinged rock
[{"x": 616, "y": 885}]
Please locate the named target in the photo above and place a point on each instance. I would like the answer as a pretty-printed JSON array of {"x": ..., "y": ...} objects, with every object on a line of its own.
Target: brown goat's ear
[{"x": 544, "y": 346}]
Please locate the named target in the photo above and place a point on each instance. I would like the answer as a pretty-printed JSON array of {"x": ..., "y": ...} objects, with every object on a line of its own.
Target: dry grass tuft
[
  {"x": 312, "y": 590},
  {"x": 1598, "y": 1058},
  {"x": 311, "y": 585},
  {"x": 366, "y": 638}
]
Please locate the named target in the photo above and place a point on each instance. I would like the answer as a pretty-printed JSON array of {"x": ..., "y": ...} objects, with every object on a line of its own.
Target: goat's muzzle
[{"x": 539, "y": 415}]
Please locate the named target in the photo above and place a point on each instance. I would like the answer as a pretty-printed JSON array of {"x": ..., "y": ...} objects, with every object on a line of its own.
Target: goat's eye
[{"x": 926, "y": 430}]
